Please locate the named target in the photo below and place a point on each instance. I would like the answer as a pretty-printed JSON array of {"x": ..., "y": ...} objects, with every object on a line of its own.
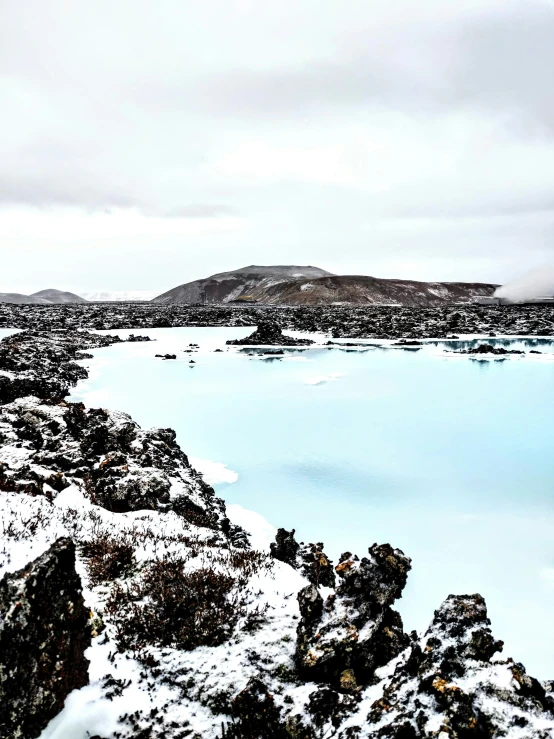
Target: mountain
[
  {"x": 20, "y": 299},
  {"x": 239, "y": 283},
  {"x": 110, "y": 296},
  {"x": 58, "y": 296},
  {"x": 357, "y": 289},
  {"x": 281, "y": 285}
]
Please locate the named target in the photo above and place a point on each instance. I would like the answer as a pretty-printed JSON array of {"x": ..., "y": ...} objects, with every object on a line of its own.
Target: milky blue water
[{"x": 449, "y": 459}]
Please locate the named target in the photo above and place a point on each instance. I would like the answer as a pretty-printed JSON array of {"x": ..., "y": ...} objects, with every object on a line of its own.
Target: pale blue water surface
[{"x": 448, "y": 458}]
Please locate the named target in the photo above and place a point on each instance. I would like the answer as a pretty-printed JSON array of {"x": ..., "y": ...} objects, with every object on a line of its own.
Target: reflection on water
[{"x": 448, "y": 459}]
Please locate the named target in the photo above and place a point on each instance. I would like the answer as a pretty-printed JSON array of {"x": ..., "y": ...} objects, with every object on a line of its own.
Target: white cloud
[{"x": 391, "y": 138}]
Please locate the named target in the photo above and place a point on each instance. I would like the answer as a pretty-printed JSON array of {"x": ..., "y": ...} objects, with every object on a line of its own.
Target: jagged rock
[
  {"x": 285, "y": 547},
  {"x": 314, "y": 564},
  {"x": 328, "y": 706},
  {"x": 489, "y": 349},
  {"x": 446, "y": 684},
  {"x": 355, "y": 628},
  {"x": 43, "y": 364},
  {"x": 121, "y": 466},
  {"x": 269, "y": 333},
  {"x": 310, "y": 559},
  {"x": 43, "y": 637}
]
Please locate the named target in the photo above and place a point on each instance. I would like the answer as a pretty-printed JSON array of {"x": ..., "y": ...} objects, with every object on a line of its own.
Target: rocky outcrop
[
  {"x": 489, "y": 349},
  {"x": 309, "y": 559},
  {"x": 43, "y": 364},
  {"x": 269, "y": 333},
  {"x": 43, "y": 637},
  {"x": 44, "y": 448},
  {"x": 447, "y": 686},
  {"x": 344, "y": 639}
]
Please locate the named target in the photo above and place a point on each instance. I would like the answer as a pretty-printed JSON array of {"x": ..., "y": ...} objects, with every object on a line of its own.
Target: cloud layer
[{"x": 169, "y": 140}]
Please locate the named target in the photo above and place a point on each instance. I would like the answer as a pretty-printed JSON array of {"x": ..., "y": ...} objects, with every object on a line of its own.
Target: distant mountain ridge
[
  {"x": 42, "y": 297},
  {"x": 224, "y": 287},
  {"x": 58, "y": 296},
  {"x": 359, "y": 289},
  {"x": 21, "y": 299},
  {"x": 291, "y": 285}
]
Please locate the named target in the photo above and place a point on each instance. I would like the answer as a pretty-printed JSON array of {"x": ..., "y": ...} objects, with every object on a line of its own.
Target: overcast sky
[{"x": 148, "y": 143}]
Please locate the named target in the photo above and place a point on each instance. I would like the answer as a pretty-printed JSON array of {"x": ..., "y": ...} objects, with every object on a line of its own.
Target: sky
[{"x": 146, "y": 144}]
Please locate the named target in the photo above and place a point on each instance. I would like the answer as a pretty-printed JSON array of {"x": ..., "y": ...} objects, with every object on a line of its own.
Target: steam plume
[{"x": 538, "y": 283}]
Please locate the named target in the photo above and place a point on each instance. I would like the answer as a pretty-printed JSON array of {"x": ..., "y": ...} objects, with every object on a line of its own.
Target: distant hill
[
  {"x": 58, "y": 296},
  {"x": 290, "y": 285},
  {"x": 239, "y": 283},
  {"x": 22, "y": 299},
  {"x": 358, "y": 289}
]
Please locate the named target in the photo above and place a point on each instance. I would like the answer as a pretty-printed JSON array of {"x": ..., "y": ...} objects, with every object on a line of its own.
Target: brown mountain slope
[
  {"x": 227, "y": 286},
  {"x": 357, "y": 289}
]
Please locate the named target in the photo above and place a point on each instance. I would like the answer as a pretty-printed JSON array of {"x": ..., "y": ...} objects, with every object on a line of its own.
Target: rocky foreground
[{"x": 131, "y": 606}]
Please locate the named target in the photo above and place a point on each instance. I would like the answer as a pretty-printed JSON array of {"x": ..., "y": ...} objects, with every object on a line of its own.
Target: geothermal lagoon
[{"x": 447, "y": 457}]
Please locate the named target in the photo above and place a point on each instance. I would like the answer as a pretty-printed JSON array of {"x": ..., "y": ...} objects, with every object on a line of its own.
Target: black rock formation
[
  {"x": 489, "y": 349},
  {"x": 269, "y": 333},
  {"x": 446, "y": 685},
  {"x": 43, "y": 637},
  {"x": 346, "y": 637},
  {"x": 122, "y": 467},
  {"x": 43, "y": 364},
  {"x": 310, "y": 559}
]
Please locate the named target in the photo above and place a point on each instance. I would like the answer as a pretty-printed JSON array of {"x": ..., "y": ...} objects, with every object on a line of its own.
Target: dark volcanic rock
[
  {"x": 337, "y": 321},
  {"x": 354, "y": 629},
  {"x": 269, "y": 332},
  {"x": 285, "y": 547},
  {"x": 489, "y": 349},
  {"x": 43, "y": 637},
  {"x": 310, "y": 559},
  {"x": 123, "y": 467},
  {"x": 43, "y": 364},
  {"x": 446, "y": 684}
]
